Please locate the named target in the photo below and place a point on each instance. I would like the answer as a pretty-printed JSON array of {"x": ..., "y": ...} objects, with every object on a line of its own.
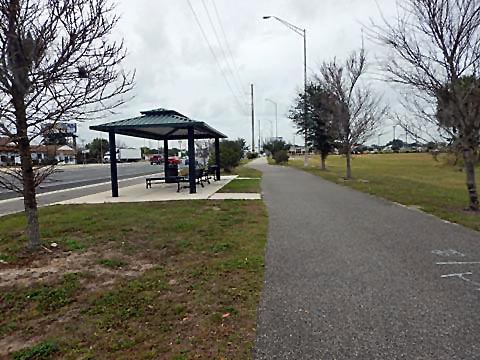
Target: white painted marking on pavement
[
  {"x": 459, "y": 263},
  {"x": 459, "y": 275},
  {"x": 449, "y": 252},
  {"x": 75, "y": 188},
  {"x": 462, "y": 277}
]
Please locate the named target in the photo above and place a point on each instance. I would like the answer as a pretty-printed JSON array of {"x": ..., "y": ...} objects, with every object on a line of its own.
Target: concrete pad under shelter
[{"x": 163, "y": 192}]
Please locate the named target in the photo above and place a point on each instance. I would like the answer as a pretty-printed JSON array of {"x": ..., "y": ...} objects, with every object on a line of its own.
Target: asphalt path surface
[
  {"x": 351, "y": 276},
  {"x": 68, "y": 177}
]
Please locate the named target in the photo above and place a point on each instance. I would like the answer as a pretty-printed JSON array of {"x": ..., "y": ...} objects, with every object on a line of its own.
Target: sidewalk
[
  {"x": 163, "y": 192},
  {"x": 351, "y": 276}
]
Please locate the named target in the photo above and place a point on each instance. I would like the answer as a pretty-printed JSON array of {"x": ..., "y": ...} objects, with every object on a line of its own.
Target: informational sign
[{"x": 67, "y": 128}]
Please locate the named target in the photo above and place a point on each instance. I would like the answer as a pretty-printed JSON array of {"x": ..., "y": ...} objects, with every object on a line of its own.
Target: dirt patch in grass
[
  {"x": 147, "y": 281},
  {"x": 52, "y": 266}
]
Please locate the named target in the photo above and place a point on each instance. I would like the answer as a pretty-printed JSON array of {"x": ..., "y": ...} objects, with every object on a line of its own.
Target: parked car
[{"x": 156, "y": 159}]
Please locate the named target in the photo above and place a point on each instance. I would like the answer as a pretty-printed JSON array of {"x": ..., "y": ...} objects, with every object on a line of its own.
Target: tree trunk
[
  {"x": 469, "y": 157},
  {"x": 29, "y": 196},
  {"x": 20, "y": 65},
  {"x": 323, "y": 160},
  {"x": 349, "y": 165},
  {"x": 28, "y": 177}
]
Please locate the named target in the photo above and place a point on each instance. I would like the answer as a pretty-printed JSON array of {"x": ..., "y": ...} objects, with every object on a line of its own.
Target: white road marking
[
  {"x": 73, "y": 189},
  {"x": 449, "y": 252},
  {"x": 461, "y": 276},
  {"x": 459, "y": 263}
]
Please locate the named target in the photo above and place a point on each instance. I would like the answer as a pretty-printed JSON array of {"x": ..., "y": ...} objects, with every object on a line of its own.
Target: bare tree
[
  {"x": 357, "y": 109},
  {"x": 203, "y": 149},
  {"x": 57, "y": 63},
  {"x": 435, "y": 53}
]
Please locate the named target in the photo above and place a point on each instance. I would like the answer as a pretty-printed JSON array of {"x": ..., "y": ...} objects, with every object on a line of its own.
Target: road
[
  {"x": 68, "y": 177},
  {"x": 351, "y": 276},
  {"x": 74, "y": 182}
]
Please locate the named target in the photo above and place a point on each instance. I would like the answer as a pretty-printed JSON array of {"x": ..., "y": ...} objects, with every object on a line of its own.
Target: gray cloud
[{"x": 175, "y": 68}]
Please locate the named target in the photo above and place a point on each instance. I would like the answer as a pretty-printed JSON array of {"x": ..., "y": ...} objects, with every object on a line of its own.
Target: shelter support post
[
  {"x": 113, "y": 163},
  {"x": 191, "y": 160},
  {"x": 217, "y": 157},
  {"x": 165, "y": 156}
]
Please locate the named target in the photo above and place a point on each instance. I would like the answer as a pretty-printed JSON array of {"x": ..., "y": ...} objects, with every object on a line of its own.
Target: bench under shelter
[{"x": 166, "y": 125}]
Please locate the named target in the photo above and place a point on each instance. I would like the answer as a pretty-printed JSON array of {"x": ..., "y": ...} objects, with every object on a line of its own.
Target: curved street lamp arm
[{"x": 292, "y": 27}]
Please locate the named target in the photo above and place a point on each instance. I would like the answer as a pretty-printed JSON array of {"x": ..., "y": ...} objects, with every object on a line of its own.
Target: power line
[
  {"x": 230, "y": 68},
  {"x": 239, "y": 104},
  {"x": 227, "y": 43}
]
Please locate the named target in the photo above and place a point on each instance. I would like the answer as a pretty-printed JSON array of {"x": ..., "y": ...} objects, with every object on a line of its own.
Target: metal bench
[
  {"x": 168, "y": 179},
  {"x": 210, "y": 173},
  {"x": 199, "y": 175}
]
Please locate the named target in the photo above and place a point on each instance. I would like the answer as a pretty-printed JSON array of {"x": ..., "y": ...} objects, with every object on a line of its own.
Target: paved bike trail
[{"x": 351, "y": 276}]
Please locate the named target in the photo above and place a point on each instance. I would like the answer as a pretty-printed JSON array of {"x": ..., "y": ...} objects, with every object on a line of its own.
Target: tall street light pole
[
  {"x": 276, "y": 117},
  {"x": 303, "y": 33},
  {"x": 253, "y": 121},
  {"x": 271, "y": 128}
]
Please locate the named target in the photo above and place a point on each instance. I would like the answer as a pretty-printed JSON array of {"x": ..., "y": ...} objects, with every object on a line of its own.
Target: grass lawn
[
  {"x": 409, "y": 179},
  {"x": 242, "y": 186},
  {"x": 177, "y": 280},
  {"x": 251, "y": 185}
]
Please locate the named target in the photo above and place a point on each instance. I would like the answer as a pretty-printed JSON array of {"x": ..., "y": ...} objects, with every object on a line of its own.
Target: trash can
[{"x": 172, "y": 173}]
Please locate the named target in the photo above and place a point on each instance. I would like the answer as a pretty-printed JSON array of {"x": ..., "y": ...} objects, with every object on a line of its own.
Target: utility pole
[
  {"x": 305, "y": 160},
  {"x": 276, "y": 121},
  {"x": 253, "y": 122},
  {"x": 259, "y": 135},
  {"x": 394, "y": 128},
  {"x": 101, "y": 148}
]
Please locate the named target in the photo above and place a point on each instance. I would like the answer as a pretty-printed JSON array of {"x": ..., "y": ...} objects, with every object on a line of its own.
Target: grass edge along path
[
  {"x": 413, "y": 180},
  {"x": 177, "y": 280},
  {"x": 249, "y": 182}
]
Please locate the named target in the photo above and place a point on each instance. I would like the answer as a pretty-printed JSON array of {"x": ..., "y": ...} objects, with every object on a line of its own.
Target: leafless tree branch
[
  {"x": 358, "y": 111},
  {"x": 435, "y": 52},
  {"x": 57, "y": 63}
]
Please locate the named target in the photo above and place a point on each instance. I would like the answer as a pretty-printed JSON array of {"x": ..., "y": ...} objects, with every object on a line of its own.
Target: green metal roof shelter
[{"x": 162, "y": 124}]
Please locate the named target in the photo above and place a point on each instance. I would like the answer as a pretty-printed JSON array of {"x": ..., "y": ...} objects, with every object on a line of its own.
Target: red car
[
  {"x": 156, "y": 159},
  {"x": 174, "y": 160}
]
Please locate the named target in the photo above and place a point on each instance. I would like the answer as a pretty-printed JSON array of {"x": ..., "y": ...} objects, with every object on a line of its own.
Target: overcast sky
[{"x": 176, "y": 69}]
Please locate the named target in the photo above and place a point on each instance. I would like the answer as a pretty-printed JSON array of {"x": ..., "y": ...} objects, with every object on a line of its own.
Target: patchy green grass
[
  {"x": 410, "y": 179},
  {"x": 242, "y": 186},
  {"x": 43, "y": 351},
  {"x": 252, "y": 183},
  {"x": 112, "y": 263},
  {"x": 244, "y": 171},
  {"x": 197, "y": 298}
]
